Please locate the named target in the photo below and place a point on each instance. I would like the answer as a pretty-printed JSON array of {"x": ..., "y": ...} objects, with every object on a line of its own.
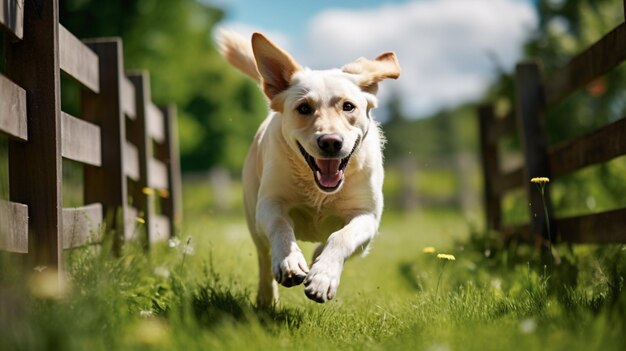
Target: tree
[{"x": 219, "y": 109}]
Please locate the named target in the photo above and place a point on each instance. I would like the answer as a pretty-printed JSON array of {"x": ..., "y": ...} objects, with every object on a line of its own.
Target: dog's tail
[{"x": 238, "y": 51}]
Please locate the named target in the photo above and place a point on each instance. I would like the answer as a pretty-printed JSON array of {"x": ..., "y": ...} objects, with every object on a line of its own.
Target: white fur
[{"x": 282, "y": 200}]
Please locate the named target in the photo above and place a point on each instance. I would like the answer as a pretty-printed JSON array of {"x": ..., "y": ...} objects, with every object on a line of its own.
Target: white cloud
[{"x": 443, "y": 46}]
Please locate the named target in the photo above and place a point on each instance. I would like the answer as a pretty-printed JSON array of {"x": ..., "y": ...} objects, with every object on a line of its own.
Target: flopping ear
[
  {"x": 370, "y": 72},
  {"x": 274, "y": 64}
]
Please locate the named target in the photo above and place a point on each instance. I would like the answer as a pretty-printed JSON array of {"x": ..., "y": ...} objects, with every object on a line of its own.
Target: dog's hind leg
[{"x": 268, "y": 288}]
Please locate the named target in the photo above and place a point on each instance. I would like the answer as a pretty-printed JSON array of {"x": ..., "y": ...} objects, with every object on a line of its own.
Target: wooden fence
[
  {"x": 533, "y": 98},
  {"x": 127, "y": 145}
]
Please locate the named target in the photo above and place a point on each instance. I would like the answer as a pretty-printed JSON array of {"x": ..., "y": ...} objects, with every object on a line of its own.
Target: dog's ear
[
  {"x": 371, "y": 72},
  {"x": 274, "y": 64}
]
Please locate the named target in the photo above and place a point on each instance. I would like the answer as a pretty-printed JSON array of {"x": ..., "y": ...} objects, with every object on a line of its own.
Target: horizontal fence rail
[
  {"x": 12, "y": 109},
  {"x": 592, "y": 63},
  {"x": 112, "y": 138},
  {"x": 534, "y": 96},
  {"x": 12, "y": 17},
  {"x": 14, "y": 227}
]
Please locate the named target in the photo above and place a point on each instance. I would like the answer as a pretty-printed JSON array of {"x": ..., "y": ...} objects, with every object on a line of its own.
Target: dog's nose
[{"x": 330, "y": 143}]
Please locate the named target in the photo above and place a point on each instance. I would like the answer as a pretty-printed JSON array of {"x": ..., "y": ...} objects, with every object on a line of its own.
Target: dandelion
[
  {"x": 446, "y": 257},
  {"x": 148, "y": 191},
  {"x": 540, "y": 180},
  {"x": 541, "y": 186},
  {"x": 140, "y": 220},
  {"x": 428, "y": 250},
  {"x": 164, "y": 193},
  {"x": 187, "y": 249},
  {"x": 173, "y": 242}
]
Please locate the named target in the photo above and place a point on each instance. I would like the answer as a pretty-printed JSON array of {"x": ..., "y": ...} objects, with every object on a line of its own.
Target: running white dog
[{"x": 315, "y": 169}]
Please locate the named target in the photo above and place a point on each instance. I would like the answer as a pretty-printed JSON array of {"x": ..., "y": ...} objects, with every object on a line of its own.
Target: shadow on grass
[
  {"x": 408, "y": 274},
  {"x": 214, "y": 304}
]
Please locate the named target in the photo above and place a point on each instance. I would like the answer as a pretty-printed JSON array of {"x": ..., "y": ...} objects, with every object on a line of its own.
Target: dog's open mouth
[{"x": 327, "y": 172}]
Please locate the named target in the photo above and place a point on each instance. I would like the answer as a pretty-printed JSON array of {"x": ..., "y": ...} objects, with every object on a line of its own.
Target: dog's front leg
[
  {"x": 288, "y": 263},
  {"x": 323, "y": 279}
]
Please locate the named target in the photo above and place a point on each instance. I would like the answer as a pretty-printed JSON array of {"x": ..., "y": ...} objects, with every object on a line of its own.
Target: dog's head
[{"x": 325, "y": 114}]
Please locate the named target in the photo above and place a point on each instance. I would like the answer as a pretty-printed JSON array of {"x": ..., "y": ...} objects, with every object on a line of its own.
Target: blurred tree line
[{"x": 219, "y": 110}]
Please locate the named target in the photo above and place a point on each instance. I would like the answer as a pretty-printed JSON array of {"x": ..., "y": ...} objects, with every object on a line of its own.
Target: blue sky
[
  {"x": 445, "y": 47},
  {"x": 287, "y": 15}
]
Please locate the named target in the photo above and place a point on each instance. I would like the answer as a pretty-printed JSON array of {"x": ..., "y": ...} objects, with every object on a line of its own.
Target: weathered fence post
[
  {"x": 137, "y": 134},
  {"x": 489, "y": 152},
  {"x": 105, "y": 109},
  {"x": 172, "y": 204},
  {"x": 530, "y": 104},
  {"x": 35, "y": 166}
]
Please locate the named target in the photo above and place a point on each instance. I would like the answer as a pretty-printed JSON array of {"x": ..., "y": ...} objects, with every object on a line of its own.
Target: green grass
[{"x": 175, "y": 298}]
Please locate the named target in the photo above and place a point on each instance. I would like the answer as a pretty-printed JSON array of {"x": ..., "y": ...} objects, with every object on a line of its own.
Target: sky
[{"x": 449, "y": 50}]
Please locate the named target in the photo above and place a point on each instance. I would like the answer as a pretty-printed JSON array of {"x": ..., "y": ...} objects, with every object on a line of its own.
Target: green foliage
[{"x": 219, "y": 110}]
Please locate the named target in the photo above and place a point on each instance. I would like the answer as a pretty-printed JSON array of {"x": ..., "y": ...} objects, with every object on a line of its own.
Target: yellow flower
[
  {"x": 428, "y": 250},
  {"x": 148, "y": 191},
  {"x": 140, "y": 220},
  {"x": 540, "y": 180},
  {"x": 446, "y": 257}
]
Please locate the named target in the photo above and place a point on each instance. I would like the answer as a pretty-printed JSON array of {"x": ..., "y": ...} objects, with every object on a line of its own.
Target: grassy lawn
[{"x": 198, "y": 296}]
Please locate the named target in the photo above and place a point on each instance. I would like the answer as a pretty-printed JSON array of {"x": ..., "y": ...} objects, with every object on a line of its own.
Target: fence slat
[
  {"x": 157, "y": 174},
  {"x": 529, "y": 106},
  {"x": 489, "y": 152},
  {"x": 172, "y": 205},
  {"x": 13, "y": 227},
  {"x": 601, "y": 145},
  {"x": 137, "y": 133},
  {"x": 128, "y": 96},
  {"x": 508, "y": 181},
  {"x": 81, "y": 140},
  {"x": 35, "y": 166},
  {"x": 160, "y": 229},
  {"x": 82, "y": 225},
  {"x": 131, "y": 161},
  {"x": 501, "y": 127},
  {"x": 12, "y": 17},
  {"x": 592, "y": 63},
  {"x": 599, "y": 228},
  {"x": 130, "y": 219},
  {"x": 155, "y": 123},
  {"x": 12, "y": 109},
  {"x": 77, "y": 60},
  {"x": 105, "y": 110}
]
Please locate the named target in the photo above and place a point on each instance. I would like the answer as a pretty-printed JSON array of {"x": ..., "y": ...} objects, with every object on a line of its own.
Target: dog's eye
[
  {"x": 304, "y": 109},
  {"x": 348, "y": 106}
]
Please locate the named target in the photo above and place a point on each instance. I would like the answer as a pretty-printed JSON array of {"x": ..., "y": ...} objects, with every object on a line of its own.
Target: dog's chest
[{"x": 311, "y": 224}]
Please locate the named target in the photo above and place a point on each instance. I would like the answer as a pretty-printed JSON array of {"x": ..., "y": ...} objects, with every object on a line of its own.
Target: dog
[{"x": 314, "y": 171}]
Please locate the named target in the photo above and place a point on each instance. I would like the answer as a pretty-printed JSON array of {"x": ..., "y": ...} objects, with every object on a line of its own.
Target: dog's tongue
[{"x": 329, "y": 174}]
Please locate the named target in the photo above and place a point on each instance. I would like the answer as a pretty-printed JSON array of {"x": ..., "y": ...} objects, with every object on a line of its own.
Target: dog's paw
[
  {"x": 291, "y": 270},
  {"x": 323, "y": 280}
]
